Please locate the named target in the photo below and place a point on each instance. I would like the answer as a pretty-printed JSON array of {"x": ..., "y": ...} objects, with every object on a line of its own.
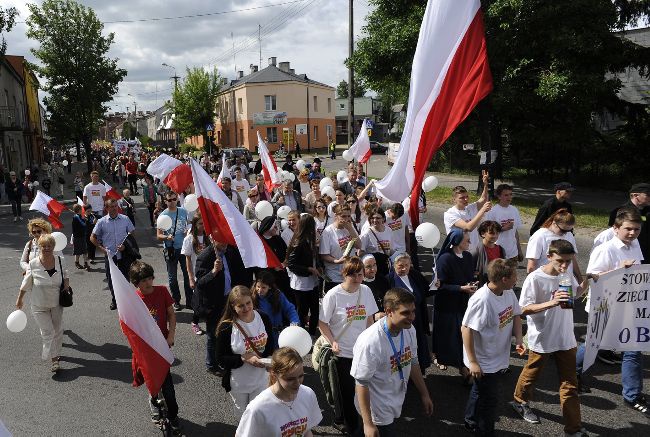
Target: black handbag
[{"x": 65, "y": 295}]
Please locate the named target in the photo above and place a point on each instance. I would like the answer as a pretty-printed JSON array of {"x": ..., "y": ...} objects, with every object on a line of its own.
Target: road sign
[
  {"x": 209, "y": 127},
  {"x": 209, "y": 133},
  {"x": 369, "y": 132},
  {"x": 468, "y": 146},
  {"x": 369, "y": 124}
]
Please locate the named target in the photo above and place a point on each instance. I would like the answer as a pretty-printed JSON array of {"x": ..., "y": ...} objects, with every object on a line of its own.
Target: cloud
[{"x": 311, "y": 34}]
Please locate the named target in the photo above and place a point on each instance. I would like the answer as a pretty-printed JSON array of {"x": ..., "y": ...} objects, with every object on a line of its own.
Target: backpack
[{"x": 329, "y": 378}]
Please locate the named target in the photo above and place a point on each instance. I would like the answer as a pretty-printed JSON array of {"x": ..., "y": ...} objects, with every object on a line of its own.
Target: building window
[
  {"x": 329, "y": 130},
  {"x": 241, "y": 137},
  {"x": 315, "y": 132},
  {"x": 240, "y": 105},
  {"x": 227, "y": 139},
  {"x": 341, "y": 106},
  {"x": 269, "y": 103},
  {"x": 329, "y": 104},
  {"x": 272, "y": 133},
  {"x": 315, "y": 103},
  {"x": 218, "y": 137}
]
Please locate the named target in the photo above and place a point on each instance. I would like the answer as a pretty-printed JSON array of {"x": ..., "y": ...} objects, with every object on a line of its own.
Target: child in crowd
[
  {"x": 491, "y": 319},
  {"x": 79, "y": 236},
  {"x": 78, "y": 185},
  {"x": 91, "y": 220},
  {"x": 272, "y": 302},
  {"x": 160, "y": 305},
  {"x": 488, "y": 250},
  {"x": 128, "y": 205}
]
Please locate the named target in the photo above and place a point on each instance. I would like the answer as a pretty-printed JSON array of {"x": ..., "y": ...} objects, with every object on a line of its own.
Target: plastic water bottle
[{"x": 566, "y": 284}]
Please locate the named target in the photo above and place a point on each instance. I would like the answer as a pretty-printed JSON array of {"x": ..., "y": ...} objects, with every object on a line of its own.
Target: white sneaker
[{"x": 15, "y": 219}]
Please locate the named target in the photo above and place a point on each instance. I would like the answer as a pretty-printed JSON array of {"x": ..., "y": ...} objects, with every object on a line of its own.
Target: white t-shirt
[
  {"x": 338, "y": 307},
  {"x": 538, "y": 246},
  {"x": 95, "y": 195},
  {"x": 242, "y": 188},
  {"x": 268, "y": 416},
  {"x": 397, "y": 227},
  {"x": 247, "y": 378},
  {"x": 188, "y": 249},
  {"x": 375, "y": 363},
  {"x": 377, "y": 241},
  {"x": 286, "y": 235},
  {"x": 453, "y": 214},
  {"x": 603, "y": 237},
  {"x": 550, "y": 330},
  {"x": 320, "y": 225},
  {"x": 490, "y": 318},
  {"x": 333, "y": 242},
  {"x": 503, "y": 215}
]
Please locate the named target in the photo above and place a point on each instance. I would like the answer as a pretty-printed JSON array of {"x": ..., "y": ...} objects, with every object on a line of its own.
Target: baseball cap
[
  {"x": 641, "y": 187},
  {"x": 560, "y": 186}
]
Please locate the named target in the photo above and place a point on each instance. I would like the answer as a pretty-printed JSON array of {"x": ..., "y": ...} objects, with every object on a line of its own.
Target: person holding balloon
[
  {"x": 36, "y": 227},
  {"x": 272, "y": 302},
  {"x": 44, "y": 278}
]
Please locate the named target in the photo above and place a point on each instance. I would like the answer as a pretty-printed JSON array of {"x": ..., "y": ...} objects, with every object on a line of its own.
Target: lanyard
[{"x": 398, "y": 356}]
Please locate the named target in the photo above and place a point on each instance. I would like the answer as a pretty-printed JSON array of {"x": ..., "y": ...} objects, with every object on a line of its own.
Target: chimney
[
  {"x": 240, "y": 74},
  {"x": 292, "y": 71},
  {"x": 284, "y": 66},
  {"x": 253, "y": 68},
  {"x": 272, "y": 60}
]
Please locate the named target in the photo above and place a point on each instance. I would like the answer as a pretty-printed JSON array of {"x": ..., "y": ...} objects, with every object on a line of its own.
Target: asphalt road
[{"x": 93, "y": 395}]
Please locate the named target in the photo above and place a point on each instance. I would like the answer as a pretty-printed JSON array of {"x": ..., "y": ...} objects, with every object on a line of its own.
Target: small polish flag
[
  {"x": 226, "y": 224},
  {"x": 152, "y": 358},
  {"x": 111, "y": 193},
  {"x": 272, "y": 177},
  {"x": 172, "y": 172},
  {"x": 49, "y": 207},
  {"x": 224, "y": 171},
  {"x": 361, "y": 147},
  {"x": 81, "y": 202}
]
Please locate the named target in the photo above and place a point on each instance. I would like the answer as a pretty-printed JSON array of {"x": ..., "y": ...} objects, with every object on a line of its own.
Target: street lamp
[
  {"x": 175, "y": 77},
  {"x": 135, "y": 117}
]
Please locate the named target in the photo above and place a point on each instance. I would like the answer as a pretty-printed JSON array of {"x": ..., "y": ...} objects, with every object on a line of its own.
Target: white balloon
[
  {"x": 17, "y": 321},
  {"x": 35, "y": 183},
  {"x": 328, "y": 191},
  {"x": 297, "y": 338},
  {"x": 283, "y": 211},
  {"x": 325, "y": 182},
  {"x": 342, "y": 176},
  {"x": 191, "y": 202},
  {"x": 65, "y": 162},
  {"x": 347, "y": 155},
  {"x": 251, "y": 165},
  {"x": 300, "y": 164},
  {"x": 30, "y": 185},
  {"x": 291, "y": 176},
  {"x": 60, "y": 241},
  {"x": 430, "y": 183},
  {"x": 27, "y": 172},
  {"x": 427, "y": 235},
  {"x": 164, "y": 222},
  {"x": 284, "y": 224},
  {"x": 263, "y": 209}
]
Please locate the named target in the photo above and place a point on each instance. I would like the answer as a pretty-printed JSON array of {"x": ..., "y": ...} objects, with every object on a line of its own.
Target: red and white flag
[
  {"x": 361, "y": 147},
  {"x": 224, "y": 171},
  {"x": 111, "y": 193},
  {"x": 450, "y": 75},
  {"x": 226, "y": 224},
  {"x": 152, "y": 358},
  {"x": 272, "y": 177},
  {"x": 172, "y": 172},
  {"x": 49, "y": 207},
  {"x": 83, "y": 209}
]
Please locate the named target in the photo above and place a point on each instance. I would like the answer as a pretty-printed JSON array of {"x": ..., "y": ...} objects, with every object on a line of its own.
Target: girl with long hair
[
  {"x": 272, "y": 302},
  {"x": 321, "y": 217},
  {"x": 193, "y": 243},
  {"x": 242, "y": 340}
]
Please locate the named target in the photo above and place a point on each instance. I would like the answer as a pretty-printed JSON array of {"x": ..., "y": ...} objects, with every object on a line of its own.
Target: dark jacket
[
  {"x": 13, "y": 189},
  {"x": 421, "y": 292},
  {"x": 78, "y": 227},
  {"x": 453, "y": 272},
  {"x": 296, "y": 195},
  {"x": 300, "y": 260},
  {"x": 131, "y": 251},
  {"x": 230, "y": 360},
  {"x": 546, "y": 210}
]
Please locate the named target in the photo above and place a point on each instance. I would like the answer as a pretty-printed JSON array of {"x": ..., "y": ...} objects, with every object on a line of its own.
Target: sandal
[{"x": 438, "y": 365}]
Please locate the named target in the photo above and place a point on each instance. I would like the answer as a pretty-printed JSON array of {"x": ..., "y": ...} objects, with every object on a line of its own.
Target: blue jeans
[
  {"x": 632, "y": 375},
  {"x": 173, "y": 260},
  {"x": 580, "y": 358},
  {"x": 211, "y": 322},
  {"x": 482, "y": 403}
]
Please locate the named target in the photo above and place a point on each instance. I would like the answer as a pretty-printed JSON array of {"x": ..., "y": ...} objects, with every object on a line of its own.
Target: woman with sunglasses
[
  {"x": 353, "y": 204},
  {"x": 321, "y": 217},
  {"x": 377, "y": 240},
  {"x": 249, "y": 207},
  {"x": 558, "y": 226},
  {"x": 36, "y": 227}
]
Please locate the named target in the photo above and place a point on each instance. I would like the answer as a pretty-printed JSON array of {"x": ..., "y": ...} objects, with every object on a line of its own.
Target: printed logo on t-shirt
[
  {"x": 405, "y": 360},
  {"x": 295, "y": 428},
  {"x": 239, "y": 188},
  {"x": 258, "y": 341},
  {"x": 395, "y": 225},
  {"x": 343, "y": 241},
  {"x": 154, "y": 314},
  {"x": 505, "y": 317},
  {"x": 384, "y": 245},
  {"x": 355, "y": 312},
  {"x": 95, "y": 193}
]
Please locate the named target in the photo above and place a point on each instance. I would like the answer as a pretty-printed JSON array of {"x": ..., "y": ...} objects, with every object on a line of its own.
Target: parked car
[
  {"x": 236, "y": 152},
  {"x": 377, "y": 147}
]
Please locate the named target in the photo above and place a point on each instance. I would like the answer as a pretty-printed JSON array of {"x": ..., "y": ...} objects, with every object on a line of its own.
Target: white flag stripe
[
  {"x": 361, "y": 145},
  {"x": 162, "y": 166},
  {"x": 40, "y": 203},
  {"x": 266, "y": 160},
  {"x": 135, "y": 314}
]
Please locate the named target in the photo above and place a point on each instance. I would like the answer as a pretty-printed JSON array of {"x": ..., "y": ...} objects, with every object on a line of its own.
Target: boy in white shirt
[
  {"x": 491, "y": 319},
  {"x": 333, "y": 242},
  {"x": 550, "y": 333},
  {"x": 508, "y": 217},
  {"x": 382, "y": 372}
]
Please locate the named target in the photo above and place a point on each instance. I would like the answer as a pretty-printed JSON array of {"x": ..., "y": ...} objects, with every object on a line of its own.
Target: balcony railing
[{"x": 10, "y": 118}]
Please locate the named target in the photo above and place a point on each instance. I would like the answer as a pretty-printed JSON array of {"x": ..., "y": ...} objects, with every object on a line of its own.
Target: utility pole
[
  {"x": 259, "y": 39},
  {"x": 351, "y": 76},
  {"x": 135, "y": 120}
]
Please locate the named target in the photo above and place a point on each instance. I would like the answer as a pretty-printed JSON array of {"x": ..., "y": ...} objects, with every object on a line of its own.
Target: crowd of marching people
[{"x": 352, "y": 278}]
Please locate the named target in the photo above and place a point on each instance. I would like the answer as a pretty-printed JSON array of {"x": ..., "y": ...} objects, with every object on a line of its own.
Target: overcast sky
[{"x": 311, "y": 34}]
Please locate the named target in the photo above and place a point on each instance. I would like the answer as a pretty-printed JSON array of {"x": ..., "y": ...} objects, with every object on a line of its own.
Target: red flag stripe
[
  {"x": 56, "y": 223},
  {"x": 179, "y": 178},
  {"x": 149, "y": 363}
]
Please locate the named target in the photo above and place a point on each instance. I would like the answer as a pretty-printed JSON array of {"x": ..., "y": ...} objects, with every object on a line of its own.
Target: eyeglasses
[
  {"x": 253, "y": 195},
  {"x": 37, "y": 231},
  {"x": 172, "y": 200},
  {"x": 320, "y": 207},
  {"x": 351, "y": 201}
]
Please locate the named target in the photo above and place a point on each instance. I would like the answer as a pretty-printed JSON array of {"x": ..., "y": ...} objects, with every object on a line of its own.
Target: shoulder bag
[
  {"x": 169, "y": 253},
  {"x": 65, "y": 295},
  {"x": 247, "y": 339}
]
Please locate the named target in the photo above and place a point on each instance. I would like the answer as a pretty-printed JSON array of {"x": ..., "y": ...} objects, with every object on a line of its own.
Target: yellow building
[{"x": 282, "y": 105}]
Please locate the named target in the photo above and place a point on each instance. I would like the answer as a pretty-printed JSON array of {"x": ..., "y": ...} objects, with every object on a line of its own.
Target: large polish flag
[
  {"x": 49, "y": 207},
  {"x": 152, "y": 358},
  {"x": 361, "y": 147},
  {"x": 272, "y": 177},
  {"x": 226, "y": 224},
  {"x": 111, "y": 193},
  {"x": 172, "y": 172},
  {"x": 450, "y": 75}
]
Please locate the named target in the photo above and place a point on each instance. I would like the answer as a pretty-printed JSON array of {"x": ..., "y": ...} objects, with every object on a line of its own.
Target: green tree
[
  {"x": 7, "y": 20},
  {"x": 80, "y": 77},
  {"x": 342, "y": 90},
  {"x": 552, "y": 62},
  {"x": 194, "y": 102}
]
